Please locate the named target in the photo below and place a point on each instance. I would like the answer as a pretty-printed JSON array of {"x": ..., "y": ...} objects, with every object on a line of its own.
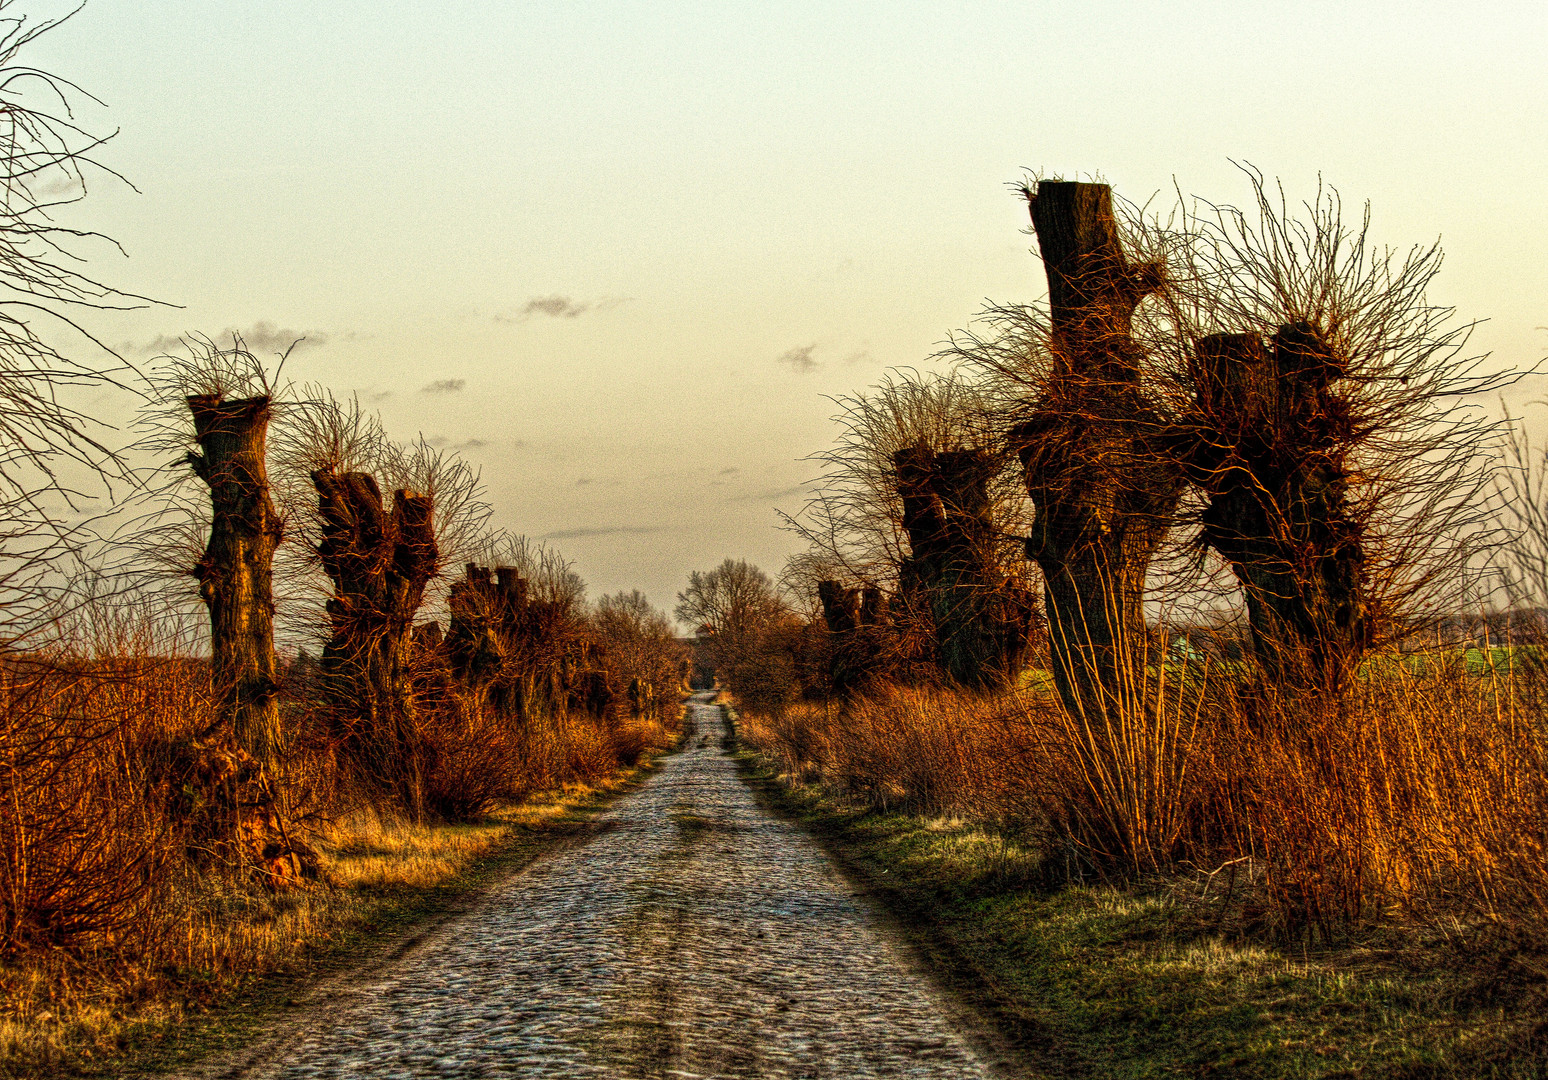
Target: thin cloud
[
  {"x": 264, "y": 336},
  {"x": 557, "y": 306},
  {"x": 161, "y": 343},
  {"x": 800, "y": 358},
  {"x": 445, "y": 386},
  {"x": 730, "y": 470},
  {"x": 61, "y": 184},
  {"x": 862, "y": 356},
  {"x": 606, "y": 530},
  {"x": 773, "y": 495},
  {"x": 261, "y": 338}
]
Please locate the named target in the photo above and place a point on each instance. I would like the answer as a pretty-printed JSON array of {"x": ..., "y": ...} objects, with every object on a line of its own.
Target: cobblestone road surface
[{"x": 695, "y": 936}]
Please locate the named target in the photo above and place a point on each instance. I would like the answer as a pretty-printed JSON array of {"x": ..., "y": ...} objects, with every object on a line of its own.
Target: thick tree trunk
[
  {"x": 855, "y": 645},
  {"x": 379, "y": 561},
  {"x": 980, "y": 619},
  {"x": 236, "y": 573},
  {"x": 1104, "y": 494},
  {"x": 488, "y": 638},
  {"x": 1265, "y": 443}
]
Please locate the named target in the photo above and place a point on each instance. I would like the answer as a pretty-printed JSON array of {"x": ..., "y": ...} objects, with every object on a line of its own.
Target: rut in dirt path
[{"x": 695, "y": 936}]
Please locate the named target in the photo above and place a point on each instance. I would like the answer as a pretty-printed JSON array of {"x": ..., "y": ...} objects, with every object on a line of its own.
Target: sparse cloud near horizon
[
  {"x": 261, "y": 338},
  {"x": 441, "y": 442},
  {"x": 445, "y": 386},
  {"x": 602, "y": 530}
]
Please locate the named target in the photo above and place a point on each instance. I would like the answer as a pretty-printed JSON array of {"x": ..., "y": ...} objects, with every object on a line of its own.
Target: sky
[{"x": 622, "y": 256}]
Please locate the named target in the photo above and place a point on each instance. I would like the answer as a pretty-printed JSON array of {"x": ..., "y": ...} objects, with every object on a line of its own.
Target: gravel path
[{"x": 695, "y": 936}]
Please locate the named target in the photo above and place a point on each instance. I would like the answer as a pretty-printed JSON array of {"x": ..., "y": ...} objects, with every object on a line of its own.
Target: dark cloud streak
[{"x": 605, "y": 530}]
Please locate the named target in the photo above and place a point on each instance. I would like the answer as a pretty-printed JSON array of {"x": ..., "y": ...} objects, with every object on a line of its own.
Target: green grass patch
[{"x": 1148, "y": 981}]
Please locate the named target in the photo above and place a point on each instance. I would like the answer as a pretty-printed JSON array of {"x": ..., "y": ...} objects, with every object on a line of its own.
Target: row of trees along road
[
  {"x": 351, "y": 536},
  {"x": 261, "y": 634},
  {"x": 1264, "y": 392}
]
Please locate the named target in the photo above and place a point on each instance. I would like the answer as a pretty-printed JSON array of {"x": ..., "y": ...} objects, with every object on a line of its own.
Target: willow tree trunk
[
  {"x": 1266, "y": 441},
  {"x": 1091, "y": 450},
  {"x": 488, "y": 640},
  {"x": 856, "y": 638},
  {"x": 379, "y": 561},
  {"x": 980, "y": 618},
  {"x": 236, "y": 573}
]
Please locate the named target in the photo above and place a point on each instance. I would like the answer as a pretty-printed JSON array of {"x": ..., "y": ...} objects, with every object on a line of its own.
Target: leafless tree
[
  {"x": 376, "y": 526},
  {"x": 745, "y": 629},
  {"x": 517, "y": 634},
  {"x": 1522, "y": 490},
  {"x": 1086, "y": 418},
  {"x": 640, "y": 650},
  {"x": 46, "y": 162},
  {"x": 227, "y": 396},
  {"x": 1271, "y": 379}
]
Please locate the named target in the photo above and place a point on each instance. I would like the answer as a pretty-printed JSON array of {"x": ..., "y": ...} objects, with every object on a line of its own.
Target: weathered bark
[
  {"x": 981, "y": 620},
  {"x": 235, "y": 574},
  {"x": 517, "y": 655},
  {"x": 856, "y": 648},
  {"x": 1104, "y": 493},
  {"x": 1267, "y": 443},
  {"x": 379, "y": 561}
]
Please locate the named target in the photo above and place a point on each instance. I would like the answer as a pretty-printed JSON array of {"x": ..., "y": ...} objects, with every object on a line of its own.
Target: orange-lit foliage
[{"x": 1423, "y": 791}]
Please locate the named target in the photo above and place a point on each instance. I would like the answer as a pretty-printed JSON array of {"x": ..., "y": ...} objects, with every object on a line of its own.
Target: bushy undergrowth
[
  {"x": 1422, "y": 792},
  {"x": 132, "y": 880}
]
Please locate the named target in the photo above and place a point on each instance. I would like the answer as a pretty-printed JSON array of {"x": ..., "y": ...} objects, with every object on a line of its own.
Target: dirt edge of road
[{"x": 246, "y": 1034}]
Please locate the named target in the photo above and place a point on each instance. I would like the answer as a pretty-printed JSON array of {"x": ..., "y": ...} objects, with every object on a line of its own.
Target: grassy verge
[
  {"x": 257, "y": 953},
  {"x": 1147, "y": 981}
]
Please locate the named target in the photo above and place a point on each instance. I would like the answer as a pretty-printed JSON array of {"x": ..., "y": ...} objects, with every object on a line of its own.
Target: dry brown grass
[
  {"x": 921, "y": 750},
  {"x": 1420, "y": 794},
  {"x": 118, "y": 917},
  {"x": 62, "y": 1010}
]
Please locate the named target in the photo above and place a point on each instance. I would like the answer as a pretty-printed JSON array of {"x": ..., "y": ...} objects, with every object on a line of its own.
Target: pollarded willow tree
[
  {"x": 517, "y": 635},
  {"x": 917, "y": 504},
  {"x": 1324, "y": 422},
  {"x": 377, "y": 520},
  {"x": 1277, "y": 385},
  {"x": 214, "y": 405},
  {"x": 1086, "y": 417}
]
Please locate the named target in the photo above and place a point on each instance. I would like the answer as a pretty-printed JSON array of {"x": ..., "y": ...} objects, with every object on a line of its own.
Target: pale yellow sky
[{"x": 636, "y": 244}]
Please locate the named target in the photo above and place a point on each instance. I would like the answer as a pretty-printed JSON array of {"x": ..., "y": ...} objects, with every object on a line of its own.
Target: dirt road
[{"x": 695, "y": 936}]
